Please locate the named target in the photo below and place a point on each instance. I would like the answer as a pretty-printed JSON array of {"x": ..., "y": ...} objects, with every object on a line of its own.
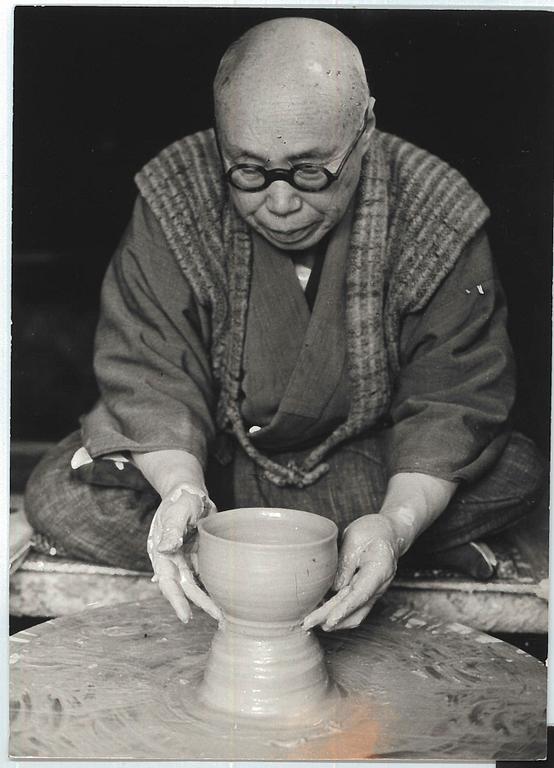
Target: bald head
[
  {"x": 292, "y": 93},
  {"x": 294, "y": 61}
]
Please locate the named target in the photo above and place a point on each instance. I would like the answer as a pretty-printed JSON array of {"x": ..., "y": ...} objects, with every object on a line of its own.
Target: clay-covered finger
[
  {"x": 194, "y": 593},
  {"x": 363, "y": 590},
  {"x": 212, "y": 509},
  {"x": 173, "y": 522},
  {"x": 150, "y": 545},
  {"x": 320, "y": 614},
  {"x": 354, "y": 619},
  {"x": 367, "y": 589},
  {"x": 194, "y": 562},
  {"x": 173, "y": 593},
  {"x": 201, "y": 599},
  {"x": 166, "y": 574},
  {"x": 348, "y": 562}
]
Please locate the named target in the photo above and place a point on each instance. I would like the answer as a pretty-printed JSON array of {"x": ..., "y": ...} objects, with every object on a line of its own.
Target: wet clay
[
  {"x": 121, "y": 682},
  {"x": 266, "y": 569}
]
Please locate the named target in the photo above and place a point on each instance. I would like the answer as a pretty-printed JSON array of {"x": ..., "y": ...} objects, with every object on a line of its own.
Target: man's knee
[
  {"x": 47, "y": 490},
  {"x": 523, "y": 463},
  {"x": 96, "y": 524},
  {"x": 500, "y": 499},
  {"x": 517, "y": 479}
]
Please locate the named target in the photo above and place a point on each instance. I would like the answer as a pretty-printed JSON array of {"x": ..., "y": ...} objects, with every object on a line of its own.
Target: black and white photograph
[{"x": 281, "y": 290}]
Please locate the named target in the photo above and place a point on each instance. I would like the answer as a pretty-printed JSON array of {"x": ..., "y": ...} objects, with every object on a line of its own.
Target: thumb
[
  {"x": 170, "y": 542},
  {"x": 174, "y": 519},
  {"x": 346, "y": 568}
]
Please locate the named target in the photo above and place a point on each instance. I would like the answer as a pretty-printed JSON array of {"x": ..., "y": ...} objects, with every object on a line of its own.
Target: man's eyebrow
[
  {"x": 235, "y": 151},
  {"x": 314, "y": 152}
]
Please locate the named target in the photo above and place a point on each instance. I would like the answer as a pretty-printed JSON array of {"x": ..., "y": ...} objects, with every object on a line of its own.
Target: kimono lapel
[
  {"x": 321, "y": 359},
  {"x": 294, "y": 358},
  {"x": 278, "y": 320}
]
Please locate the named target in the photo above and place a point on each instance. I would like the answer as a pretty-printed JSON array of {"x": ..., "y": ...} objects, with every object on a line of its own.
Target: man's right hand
[{"x": 175, "y": 520}]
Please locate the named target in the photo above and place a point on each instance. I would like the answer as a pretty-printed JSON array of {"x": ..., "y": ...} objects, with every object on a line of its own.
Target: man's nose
[{"x": 282, "y": 199}]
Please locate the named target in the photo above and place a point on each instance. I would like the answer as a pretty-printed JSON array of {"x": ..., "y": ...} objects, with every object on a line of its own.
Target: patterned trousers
[{"x": 108, "y": 524}]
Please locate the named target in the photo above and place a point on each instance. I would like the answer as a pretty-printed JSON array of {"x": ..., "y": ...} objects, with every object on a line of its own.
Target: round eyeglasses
[{"x": 306, "y": 177}]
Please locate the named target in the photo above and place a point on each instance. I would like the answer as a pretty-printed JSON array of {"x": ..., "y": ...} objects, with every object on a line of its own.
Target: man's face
[{"x": 278, "y": 132}]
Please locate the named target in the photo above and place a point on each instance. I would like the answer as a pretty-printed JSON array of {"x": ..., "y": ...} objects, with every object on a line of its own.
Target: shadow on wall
[
  {"x": 52, "y": 349},
  {"x": 52, "y": 377}
]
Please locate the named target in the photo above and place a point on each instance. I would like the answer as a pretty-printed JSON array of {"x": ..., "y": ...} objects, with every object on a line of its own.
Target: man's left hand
[{"x": 367, "y": 564}]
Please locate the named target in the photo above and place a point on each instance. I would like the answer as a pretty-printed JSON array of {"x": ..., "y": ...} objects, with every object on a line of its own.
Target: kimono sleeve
[
  {"x": 456, "y": 387},
  {"x": 151, "y": 352}
]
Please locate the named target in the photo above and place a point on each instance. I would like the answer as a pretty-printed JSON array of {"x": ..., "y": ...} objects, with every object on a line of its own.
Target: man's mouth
[{"x": 289, "y": 235}]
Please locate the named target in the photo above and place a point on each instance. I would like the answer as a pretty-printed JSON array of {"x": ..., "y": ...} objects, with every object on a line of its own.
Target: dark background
[{"x": 98, "y": 91}]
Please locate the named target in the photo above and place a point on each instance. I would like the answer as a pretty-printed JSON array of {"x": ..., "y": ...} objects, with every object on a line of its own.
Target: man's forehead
[
  {"x": 295, "y": 131},
  {"x": 302, "y": 107},
  {"x": 321, "y": 85}
]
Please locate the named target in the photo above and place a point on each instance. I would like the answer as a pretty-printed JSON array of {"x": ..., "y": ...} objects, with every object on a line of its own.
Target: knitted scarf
[{"x": 413, "y": 216}]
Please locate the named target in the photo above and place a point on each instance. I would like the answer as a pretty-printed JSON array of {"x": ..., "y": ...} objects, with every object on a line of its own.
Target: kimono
[
  {"x": 395, "y": 359},
  {"x": 451, "y": 402}
]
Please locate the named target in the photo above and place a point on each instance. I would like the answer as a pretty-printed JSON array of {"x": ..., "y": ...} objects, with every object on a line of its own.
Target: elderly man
[{"x": 303, "y": 312}]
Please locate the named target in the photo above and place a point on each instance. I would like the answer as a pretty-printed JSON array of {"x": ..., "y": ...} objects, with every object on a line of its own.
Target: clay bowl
[
  {"x": 266, "y": 569},
  {"x": 267, "y": 565}
]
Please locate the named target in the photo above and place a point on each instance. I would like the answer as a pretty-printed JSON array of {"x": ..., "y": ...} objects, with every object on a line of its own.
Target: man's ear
[
  {"x": 366, "y": 138},
  {"x": 371, "y": 123}
]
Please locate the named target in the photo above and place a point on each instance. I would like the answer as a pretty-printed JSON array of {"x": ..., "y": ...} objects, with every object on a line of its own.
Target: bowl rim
[{"x": 332, "y": 536}]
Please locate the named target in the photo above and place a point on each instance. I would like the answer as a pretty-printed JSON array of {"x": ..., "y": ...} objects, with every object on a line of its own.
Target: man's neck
[{"x": 305, "y": 258}]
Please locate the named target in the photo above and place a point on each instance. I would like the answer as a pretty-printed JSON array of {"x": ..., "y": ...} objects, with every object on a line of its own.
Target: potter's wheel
[{"x": 118, "y": 682}]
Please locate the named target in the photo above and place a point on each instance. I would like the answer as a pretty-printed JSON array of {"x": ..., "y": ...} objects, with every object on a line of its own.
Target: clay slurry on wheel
[{"x": 126, "y": 678}]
